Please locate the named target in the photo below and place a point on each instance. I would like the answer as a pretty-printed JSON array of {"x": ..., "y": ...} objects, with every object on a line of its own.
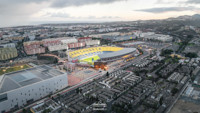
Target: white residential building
[
  {"x": 8, "y": 45},
  {"x": 58, "y": 47},
  {"x": 92, "y": 42}
]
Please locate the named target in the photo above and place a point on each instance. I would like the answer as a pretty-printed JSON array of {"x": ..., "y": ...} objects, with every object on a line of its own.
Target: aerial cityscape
[{"x": 80, "y": 56}]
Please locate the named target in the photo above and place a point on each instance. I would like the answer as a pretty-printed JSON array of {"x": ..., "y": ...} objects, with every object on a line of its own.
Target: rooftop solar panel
[
  {"x": 18, "y": 77},
  {"x": 31, "y": 81},
  {"x": 24, "y": 76}
]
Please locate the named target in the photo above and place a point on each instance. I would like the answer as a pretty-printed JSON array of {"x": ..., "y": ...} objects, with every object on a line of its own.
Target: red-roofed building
[
  {"x": 33, "y": 47},
  {"x": 84, "y": 39},
  {"x": 76, "y": 45}
]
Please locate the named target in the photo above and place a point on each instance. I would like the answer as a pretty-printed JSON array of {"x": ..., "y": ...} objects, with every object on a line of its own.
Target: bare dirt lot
[{"x": 182, "y": 106}]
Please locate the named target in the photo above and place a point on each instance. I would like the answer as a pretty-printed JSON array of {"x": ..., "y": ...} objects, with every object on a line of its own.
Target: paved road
[{"x": 183, "y": 89}]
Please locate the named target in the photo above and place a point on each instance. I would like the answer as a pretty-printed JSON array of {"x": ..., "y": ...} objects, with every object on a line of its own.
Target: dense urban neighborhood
[{"x": 148, "y": 66}]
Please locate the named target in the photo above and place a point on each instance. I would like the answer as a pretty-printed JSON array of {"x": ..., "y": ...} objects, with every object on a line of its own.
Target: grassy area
[
  {"x": 12, "y": 69},
  {"x": 185, "y": 43},
  {"x": 180, "y": 43},
  {"x": 167, "y": 60},
  {"x": 90, "y": 59},
  {"x": 191, "y": 44},
  {"x": 172, "y": 60}
]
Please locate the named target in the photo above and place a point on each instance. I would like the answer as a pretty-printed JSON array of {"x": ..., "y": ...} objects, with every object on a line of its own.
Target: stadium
[{"x": 103, "y": 53}]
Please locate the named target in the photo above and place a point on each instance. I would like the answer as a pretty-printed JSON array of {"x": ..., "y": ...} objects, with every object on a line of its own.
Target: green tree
[
  {"x": 191, "y": 55},
  {"x": 161, "y": 101},
  {"x": 166, "y": 52},
  {"x": 107, "y": 74},
  {"x": 174, "y": 91},
  {"x": 24, "y": 110}
]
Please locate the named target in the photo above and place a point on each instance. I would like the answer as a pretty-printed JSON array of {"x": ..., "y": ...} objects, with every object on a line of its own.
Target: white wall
[
  {"x": 35, "y": 91},
  {"x": 9, "y": 45},
  {"x": 93, "y": 42}
]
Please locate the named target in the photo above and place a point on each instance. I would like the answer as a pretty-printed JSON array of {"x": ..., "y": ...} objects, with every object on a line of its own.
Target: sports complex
[{"x": 102, "y": 54}]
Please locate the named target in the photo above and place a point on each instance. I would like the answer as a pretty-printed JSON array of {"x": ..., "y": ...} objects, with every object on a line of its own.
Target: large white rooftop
[{"x": 27, "y": 77}]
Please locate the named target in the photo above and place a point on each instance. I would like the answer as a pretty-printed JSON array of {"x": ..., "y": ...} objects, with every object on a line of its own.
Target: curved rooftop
[
  {"x": 86, "y": 51},
  {"x": 122, "y": 52}
]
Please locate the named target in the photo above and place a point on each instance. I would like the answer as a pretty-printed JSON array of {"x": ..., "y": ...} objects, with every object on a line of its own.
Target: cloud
[
  {"x": 193, "y": 1},
  {"x": 16, "y": 7},
  {"x": 58, "y": 15},
  {"x": 168, "y": 9},
  {"x": 110, "y": 17},
  {"x": 64, "y": 15},
  {"x": 163, "y": 1},
  {"x": 18, "y": 12},
  {"x": 103, "y": 17},
  {"x": 67, "y": 3},
  {"x": 169, "y": 1}
]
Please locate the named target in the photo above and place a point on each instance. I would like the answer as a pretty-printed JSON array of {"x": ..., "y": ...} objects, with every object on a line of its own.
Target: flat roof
[
  {"x": 26, "y": 77},
  {"x": 134, "y": 43},
  {"x": 117, "y": 53}
]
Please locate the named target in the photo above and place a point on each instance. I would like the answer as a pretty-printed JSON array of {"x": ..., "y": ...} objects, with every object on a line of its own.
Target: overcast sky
[{"x": 26, "y": 12}]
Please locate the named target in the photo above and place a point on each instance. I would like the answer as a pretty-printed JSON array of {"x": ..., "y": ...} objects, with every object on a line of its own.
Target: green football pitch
[{"x": 89, "y": 60}]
